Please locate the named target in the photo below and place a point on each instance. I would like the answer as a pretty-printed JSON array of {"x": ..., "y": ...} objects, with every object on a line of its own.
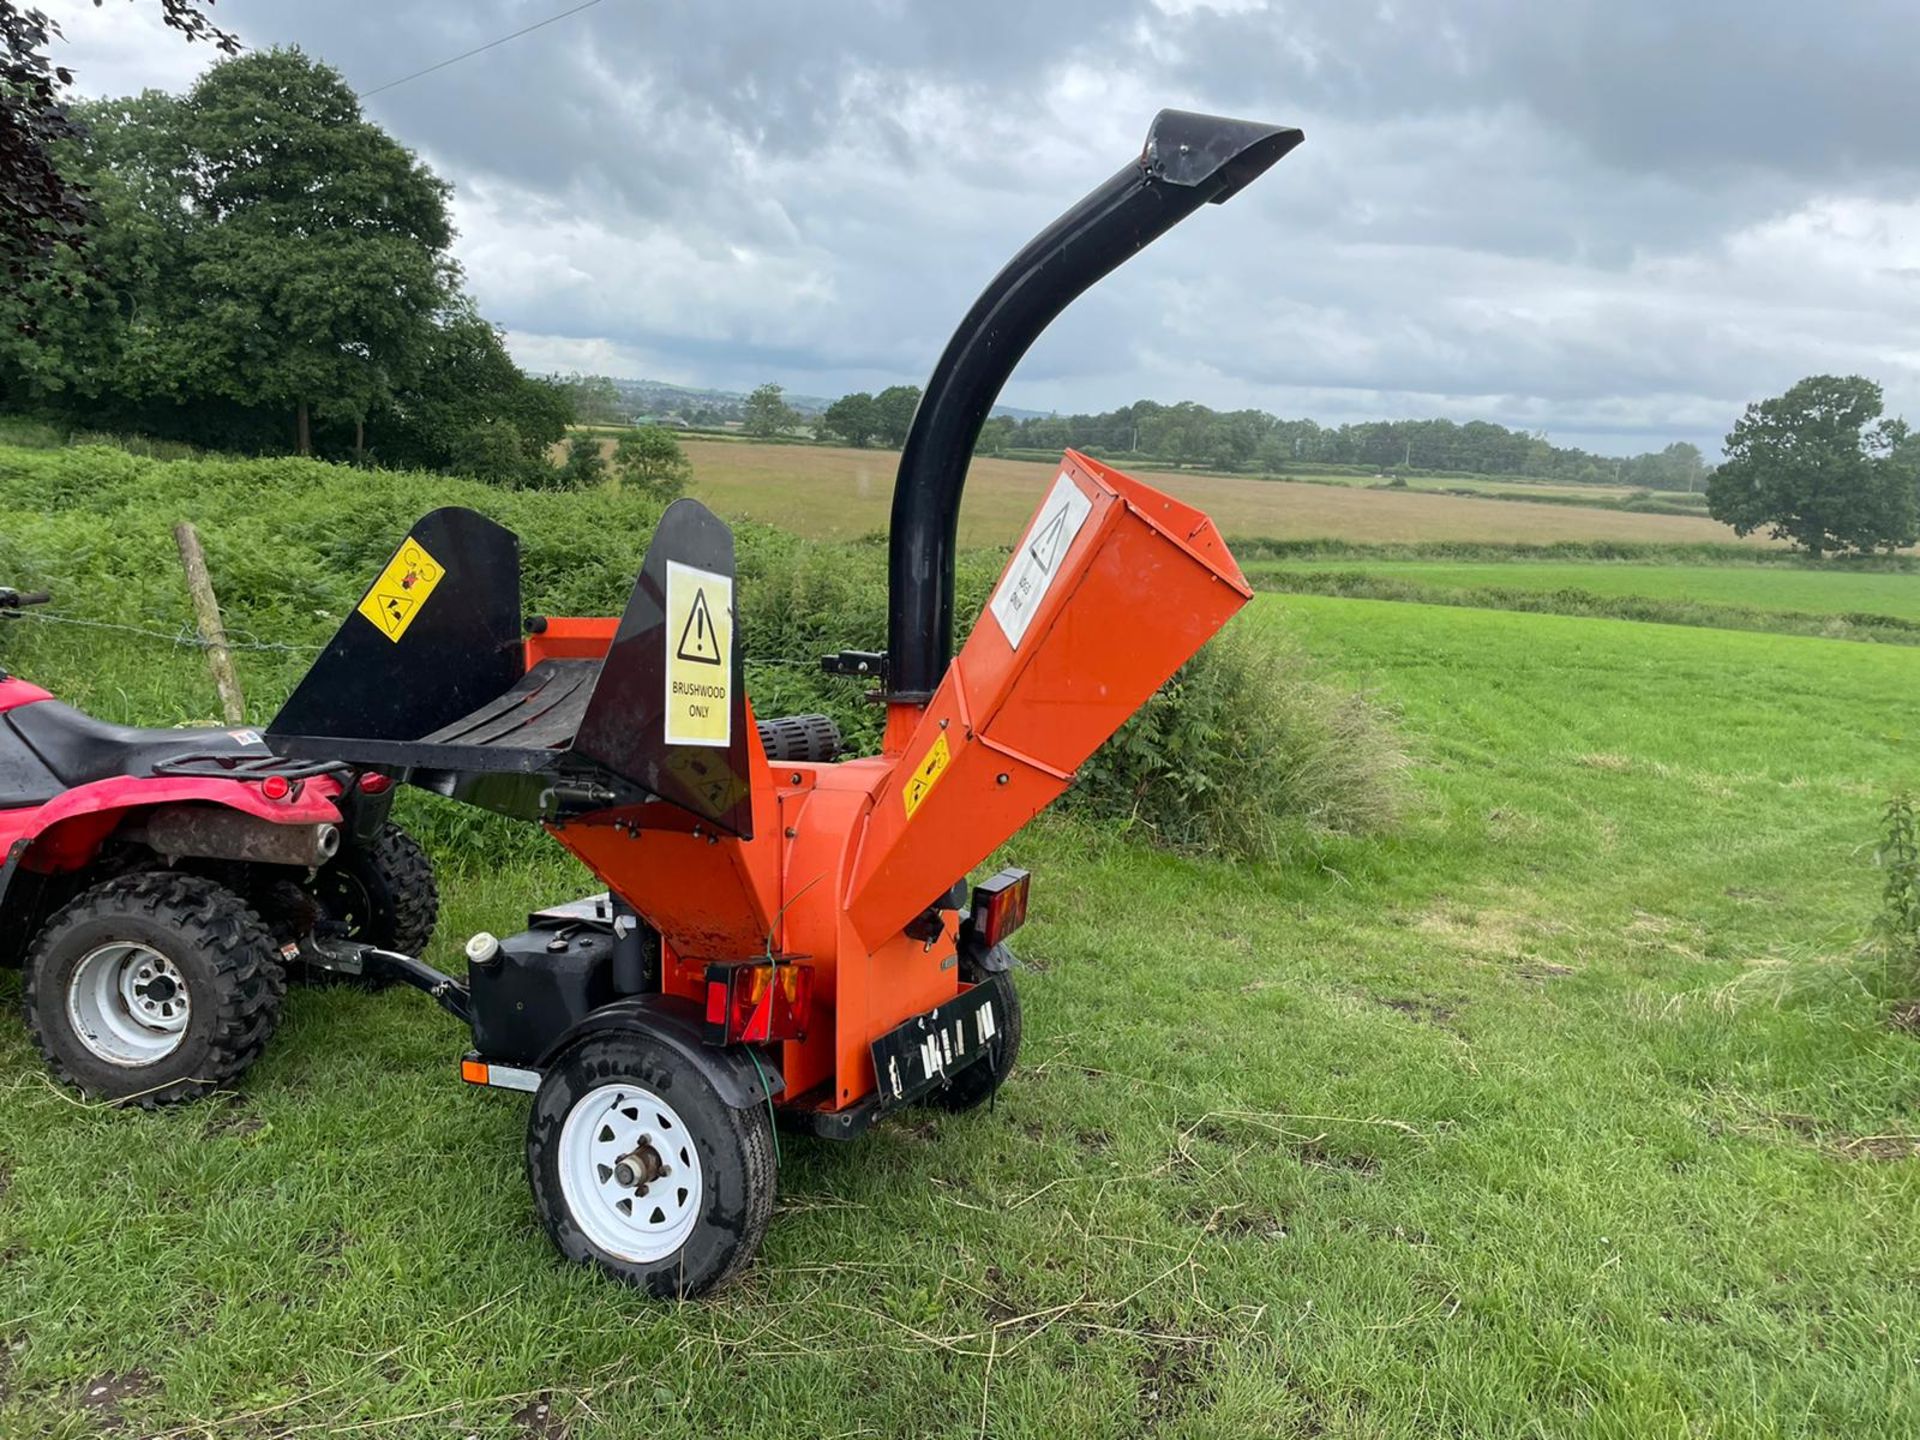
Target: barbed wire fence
[{"x": 186, "y": 636}]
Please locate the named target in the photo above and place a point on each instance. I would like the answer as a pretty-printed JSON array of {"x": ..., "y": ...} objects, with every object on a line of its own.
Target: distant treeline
[{"x": 1192, "y": 434}]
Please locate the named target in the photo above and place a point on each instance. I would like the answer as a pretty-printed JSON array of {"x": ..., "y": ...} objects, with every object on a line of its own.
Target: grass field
[
  {"x": 1569, "y": 1110},
  {"x": 1806, "y": 591},
  {"x": 827, "y": 493}
]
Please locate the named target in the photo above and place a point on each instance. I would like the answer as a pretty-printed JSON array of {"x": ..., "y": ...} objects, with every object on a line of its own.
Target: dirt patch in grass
[
  {"x": 1906, "y": 1018},
  {"x": 536, "y": 1420},
  {"x": 1322, "y": 1156},
  {"x": 1428, "y": 1009},
  {"x": 1541, "y": 970},
  {"x": 232, "y": 1122},
  {"x": 1839, "y": 1145},
  {"x": 1237, "y": 1222},
  {"x": 105, "y": 1394}
]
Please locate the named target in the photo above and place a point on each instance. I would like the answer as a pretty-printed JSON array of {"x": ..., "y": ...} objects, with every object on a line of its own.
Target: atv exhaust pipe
[
  {"x": 207, "y": 833},
  {"x": 1189, "y": 161}
]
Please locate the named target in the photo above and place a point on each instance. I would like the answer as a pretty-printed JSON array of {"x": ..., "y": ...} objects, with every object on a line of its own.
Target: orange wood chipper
[{"x": 783, "y": 931}]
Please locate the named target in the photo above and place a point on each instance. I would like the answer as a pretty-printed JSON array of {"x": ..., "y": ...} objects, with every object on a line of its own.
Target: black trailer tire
[
  {"x": 981, "y": 1081},
  {"x": 153, "y": 989},
  {"x": 617, "y": 1095},
  {"x": 382, "y": 894}
]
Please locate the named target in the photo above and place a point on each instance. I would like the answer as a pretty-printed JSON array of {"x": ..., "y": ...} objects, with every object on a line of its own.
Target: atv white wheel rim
[
  {"x": 618, "y": 1201},
  {"x": 129, "y": 1004}
]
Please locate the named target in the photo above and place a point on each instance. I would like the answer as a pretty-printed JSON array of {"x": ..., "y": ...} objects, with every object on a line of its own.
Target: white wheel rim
[
  {"x": 611, "y": 1125},
  {"x": 129, "y": 1004}
]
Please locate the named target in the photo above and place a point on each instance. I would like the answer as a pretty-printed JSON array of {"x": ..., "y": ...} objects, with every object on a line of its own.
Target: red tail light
[
  {"x": 374, "y": 783},
  {"x": 276, "y": 787},
  {"x": 758, "y": 1002},
  {"x": 1000, "y": 906}
]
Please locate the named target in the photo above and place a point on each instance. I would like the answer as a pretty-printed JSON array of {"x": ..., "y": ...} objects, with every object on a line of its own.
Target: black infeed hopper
[{"x": 428, "y": 680}]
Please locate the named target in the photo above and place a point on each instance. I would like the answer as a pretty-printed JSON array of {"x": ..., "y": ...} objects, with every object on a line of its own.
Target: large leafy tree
[
  {"x": 650, "y": 459},
  {"x": 266, "y": 269},
  {"x": 317, "y": 260},
  {"x": 767, "y": 412},
  {"x": 851, "y": 418},
  {"x": 470, "y": 409},
  {"x": 893, "y": 411},
  {"x": 1820, "y": 466},
  {"x": 45, "y": 211}
]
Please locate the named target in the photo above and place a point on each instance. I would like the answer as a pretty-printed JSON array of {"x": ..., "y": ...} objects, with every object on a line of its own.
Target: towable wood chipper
[{"x": 783, "y": 930}]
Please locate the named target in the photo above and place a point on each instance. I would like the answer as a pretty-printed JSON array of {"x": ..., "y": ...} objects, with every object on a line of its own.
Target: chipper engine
[{"x": 783, "y": 930}]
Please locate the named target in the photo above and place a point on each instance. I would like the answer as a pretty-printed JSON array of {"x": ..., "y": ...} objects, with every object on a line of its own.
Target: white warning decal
[
  {"x": 699, "y": 638},
  {"x": 1038, "y": 560}
]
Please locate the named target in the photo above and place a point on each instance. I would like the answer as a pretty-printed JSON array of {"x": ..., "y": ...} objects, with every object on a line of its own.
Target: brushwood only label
[
  {"x": 699, "y": 637},
  {"x": 402, "y": 590},
  {"x": 1038, "y": 561}
]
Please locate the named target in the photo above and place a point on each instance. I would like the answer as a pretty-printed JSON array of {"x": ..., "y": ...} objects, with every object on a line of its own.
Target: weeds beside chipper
[{"x": 782, "y": 929}]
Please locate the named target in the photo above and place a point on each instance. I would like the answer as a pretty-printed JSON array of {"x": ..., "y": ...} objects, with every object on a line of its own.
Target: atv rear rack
[{"x": 246, "y": 767}]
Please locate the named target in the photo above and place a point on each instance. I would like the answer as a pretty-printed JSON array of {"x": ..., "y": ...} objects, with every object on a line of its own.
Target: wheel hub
[
  {"x": 639, "y": 1167},
  {"x": 129, "y": 1004}
]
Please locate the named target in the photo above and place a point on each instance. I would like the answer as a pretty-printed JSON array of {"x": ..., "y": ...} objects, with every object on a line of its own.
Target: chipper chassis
[{"x": 782, "y": 929}]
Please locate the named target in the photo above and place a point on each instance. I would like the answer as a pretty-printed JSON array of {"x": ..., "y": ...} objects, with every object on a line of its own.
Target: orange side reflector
[{"x": 474, "y": 1072}]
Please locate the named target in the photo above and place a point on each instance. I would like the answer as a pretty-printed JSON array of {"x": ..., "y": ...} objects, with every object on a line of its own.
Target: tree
[
  {"x": 44, "y": 212},
  {"x": 596, "y": 399},
  {"x": 893, "y": 413},
  {"x": 651, "y": 459},
  {"x": 584, "y": 467},
  {"x": 995, "y": 436},
  {"x": 1819, "y": 466},
  {"x": 851, "y": 418},
  {"x": 768, "y": 413},
  {"x": 472, "y": 411},
  {"x": 320, "y": 254}
]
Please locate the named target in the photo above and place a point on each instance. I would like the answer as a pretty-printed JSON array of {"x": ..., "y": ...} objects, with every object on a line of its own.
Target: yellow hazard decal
[
  {"x": 402, "y": 589},
  {"x": 927, "y": 774},
  {"x": 707, "y": 777},
  {"x": 699, "y": 637}
]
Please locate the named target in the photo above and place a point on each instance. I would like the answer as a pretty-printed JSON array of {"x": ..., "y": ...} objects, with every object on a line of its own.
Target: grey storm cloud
[{"x": 1616, "y": 222}]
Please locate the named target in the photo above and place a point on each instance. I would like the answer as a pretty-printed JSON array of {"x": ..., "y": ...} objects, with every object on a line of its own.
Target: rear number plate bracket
[{"x": 930, "y": 1049}]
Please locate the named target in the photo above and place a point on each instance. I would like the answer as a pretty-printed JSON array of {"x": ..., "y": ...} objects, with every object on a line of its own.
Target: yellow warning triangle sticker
[
  {"x": 926, "y": 774},
  {"x": 393, "y": 612},
  {"x": 699, "y": 641}
]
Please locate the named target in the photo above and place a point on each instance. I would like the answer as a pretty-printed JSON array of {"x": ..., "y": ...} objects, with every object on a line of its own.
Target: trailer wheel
[
  {"x": 381, "y": 893},
  {"x": 640, "y": 1168},
  {"x": 153, "y": 988}
]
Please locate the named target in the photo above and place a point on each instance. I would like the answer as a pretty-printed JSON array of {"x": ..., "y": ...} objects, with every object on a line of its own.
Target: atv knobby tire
[
  {"x": 382, "y": 894},
  {"x": 219, "y": 948}
]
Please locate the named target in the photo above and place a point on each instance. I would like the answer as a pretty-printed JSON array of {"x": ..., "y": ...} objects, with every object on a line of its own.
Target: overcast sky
[{"x": 1614, "y": 222}]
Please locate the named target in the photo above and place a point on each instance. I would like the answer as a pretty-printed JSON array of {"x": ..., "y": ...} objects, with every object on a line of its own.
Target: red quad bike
[{"x": 158, "y": 885}]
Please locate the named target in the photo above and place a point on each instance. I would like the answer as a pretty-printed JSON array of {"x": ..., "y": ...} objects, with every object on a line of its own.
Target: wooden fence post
[{"x": 206, "y": 611}]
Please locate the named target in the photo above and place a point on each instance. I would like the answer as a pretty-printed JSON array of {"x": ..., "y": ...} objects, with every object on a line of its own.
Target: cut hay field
[
  {"x": 841, "y": 493},
  {"x": 1571, "y": 1109}
]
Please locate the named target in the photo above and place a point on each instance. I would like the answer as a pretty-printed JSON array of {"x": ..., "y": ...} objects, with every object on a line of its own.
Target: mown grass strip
[
  {"x": 1255, "y": 548},
  {"x": 1370, "y": 585}
]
